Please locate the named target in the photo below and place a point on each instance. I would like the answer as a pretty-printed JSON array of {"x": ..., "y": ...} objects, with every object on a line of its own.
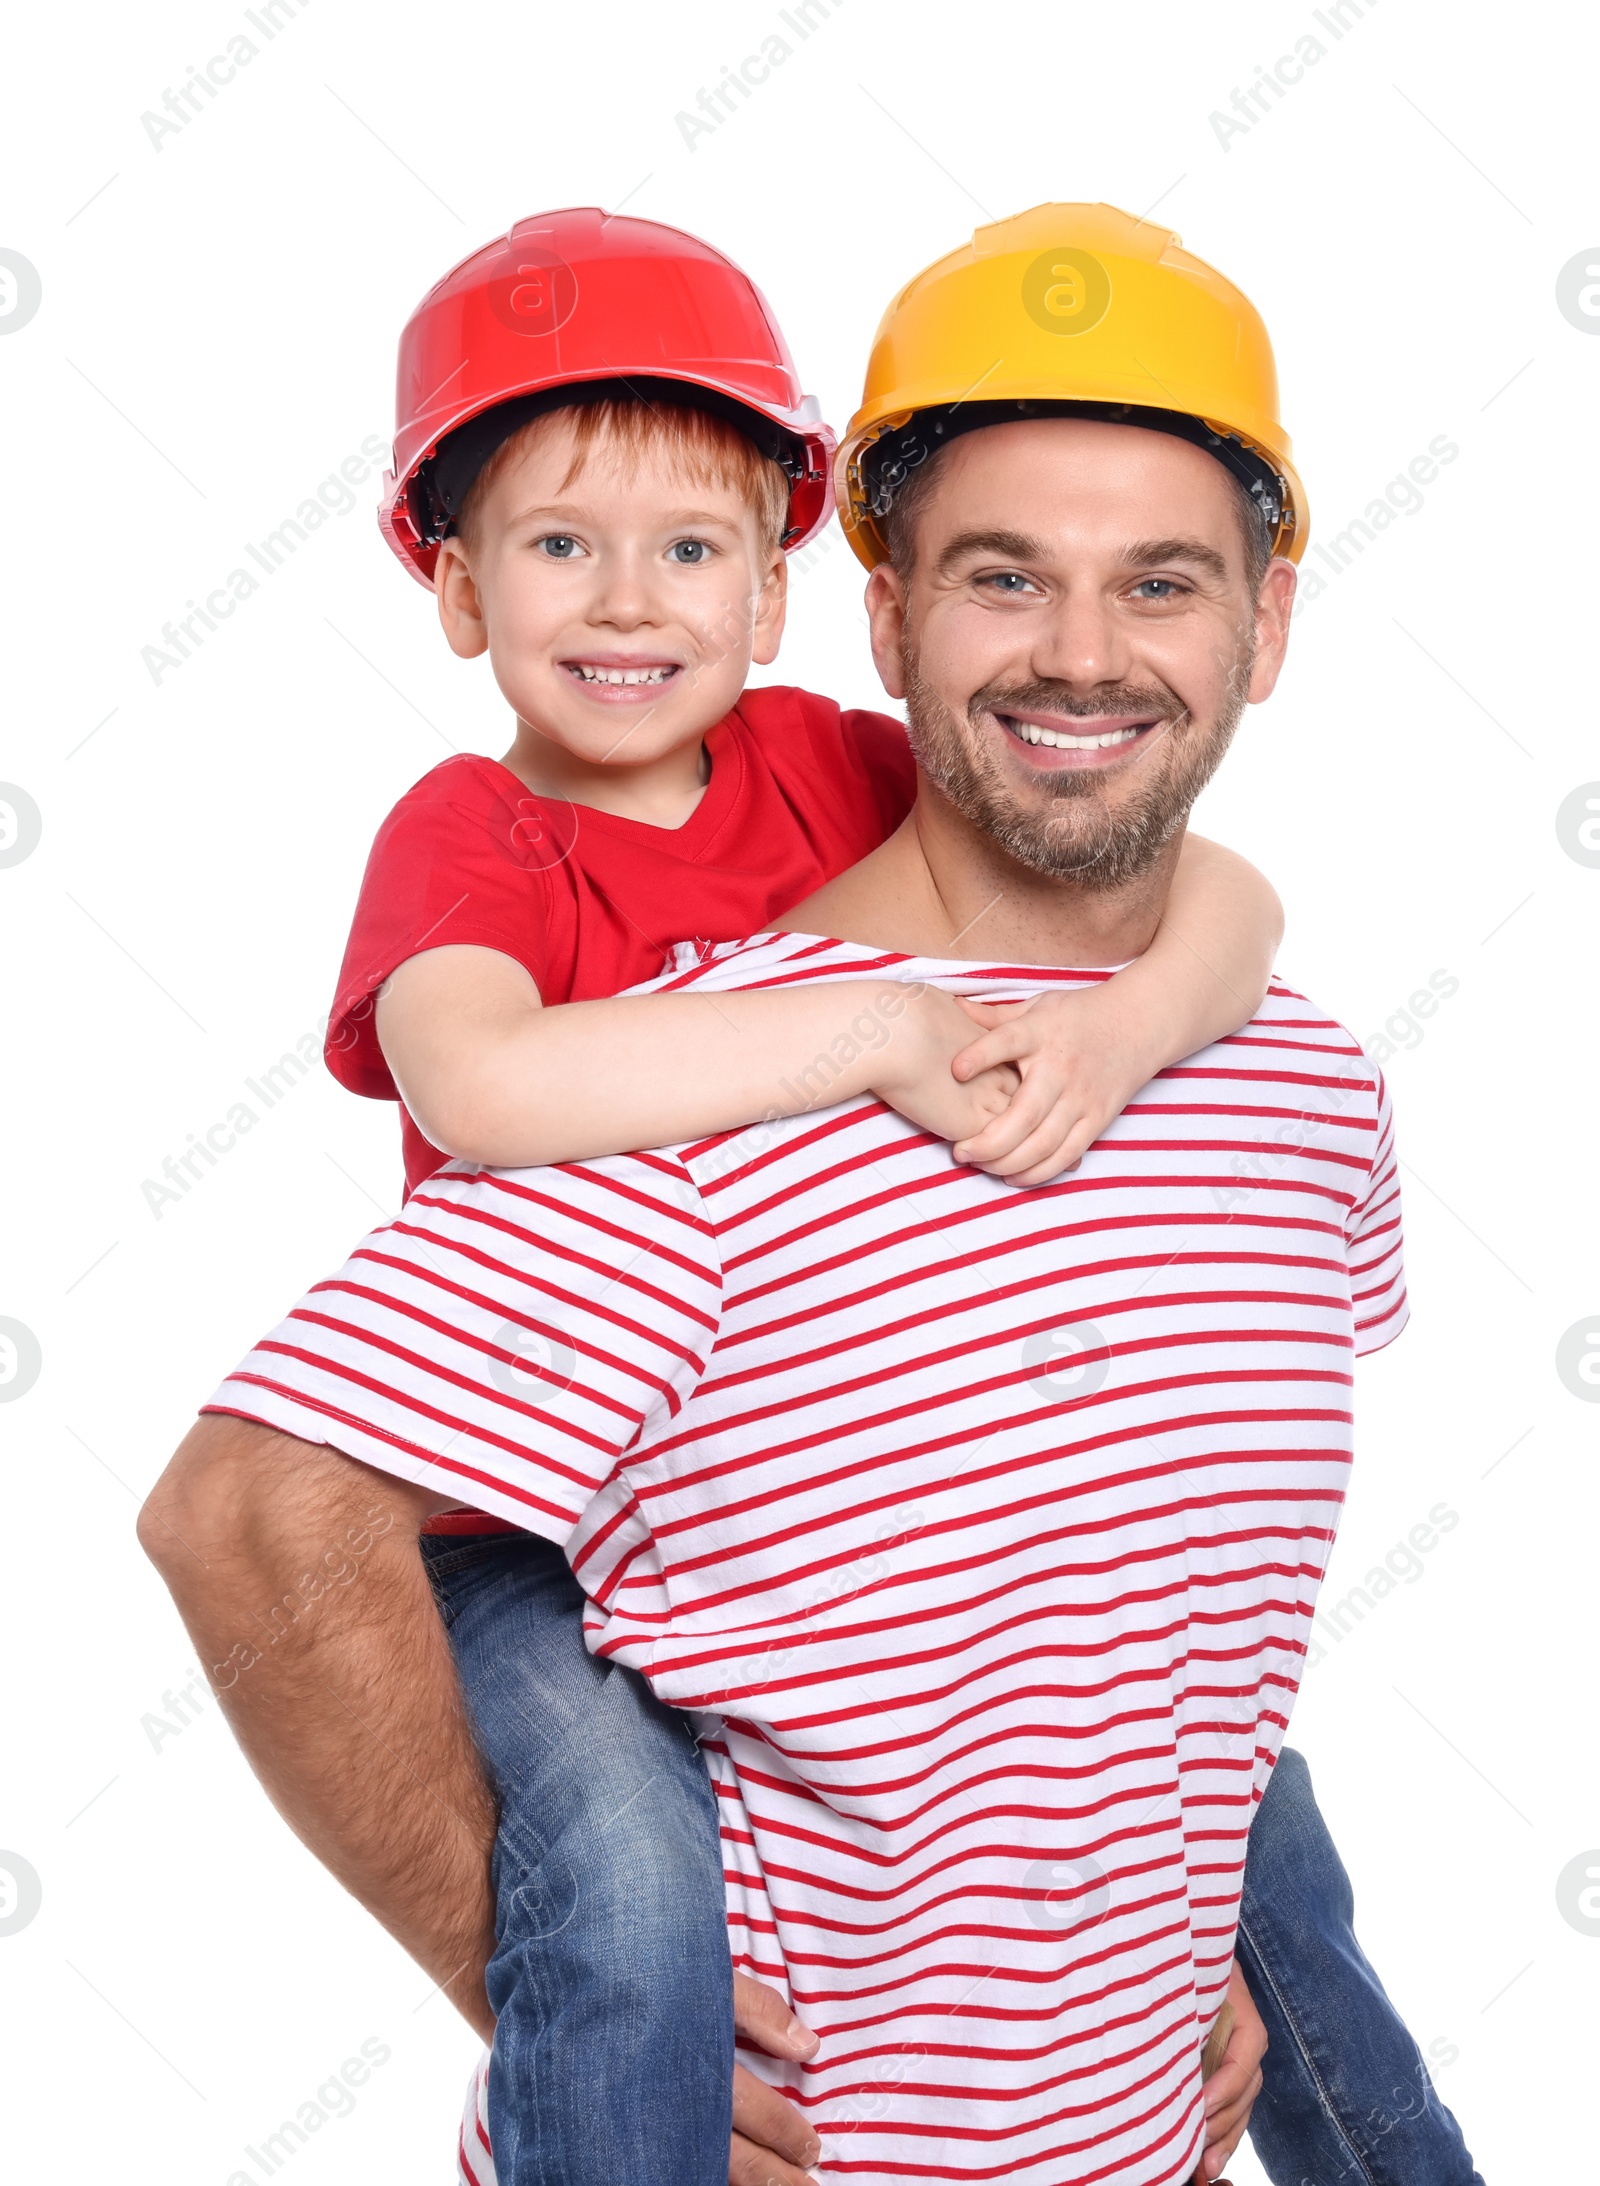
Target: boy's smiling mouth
[{"x": 608, "y": 674}]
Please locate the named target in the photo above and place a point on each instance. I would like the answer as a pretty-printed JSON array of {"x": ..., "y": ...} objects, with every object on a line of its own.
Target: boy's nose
[
  {"x": 623, "y": 604},
  {"x": 623, "y": 596}
]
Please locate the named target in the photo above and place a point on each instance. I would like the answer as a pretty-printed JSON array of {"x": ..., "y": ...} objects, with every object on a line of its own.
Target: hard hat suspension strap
[
  {"x": 444, "y": 480},
  {"x": 890, "y": 460}
]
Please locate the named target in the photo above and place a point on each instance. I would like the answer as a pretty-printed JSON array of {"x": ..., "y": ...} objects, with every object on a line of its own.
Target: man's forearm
[{"x": 296, "y": 1572}]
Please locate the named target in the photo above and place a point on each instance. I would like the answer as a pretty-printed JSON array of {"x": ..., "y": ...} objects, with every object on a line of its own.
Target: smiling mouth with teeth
[
  {"x": 1059, "y": 740},
  {"x": 585, "y": 673}
]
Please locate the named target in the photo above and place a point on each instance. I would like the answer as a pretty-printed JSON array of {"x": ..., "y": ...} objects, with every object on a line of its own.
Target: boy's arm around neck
[
  {"x": 1207, "y": 971},
  {"x": 1083, "y": 1056},
  {"x": 492, "y": 1076}
]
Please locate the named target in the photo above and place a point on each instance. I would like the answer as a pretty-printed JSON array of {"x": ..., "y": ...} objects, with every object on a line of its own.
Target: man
[{"x": 994, "y": 1658}]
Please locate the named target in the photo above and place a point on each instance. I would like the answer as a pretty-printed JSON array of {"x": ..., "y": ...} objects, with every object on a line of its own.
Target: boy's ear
[
  {"x": 772, "y": 609},
  {"x": 460, "y": 608}
]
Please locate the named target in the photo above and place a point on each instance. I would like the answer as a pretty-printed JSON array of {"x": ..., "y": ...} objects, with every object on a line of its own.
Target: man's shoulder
[
  {"x": 598, "y": 1210},
  {"x": 1291, "y": 1026},
  {"x": 1293, "y": 1051}
]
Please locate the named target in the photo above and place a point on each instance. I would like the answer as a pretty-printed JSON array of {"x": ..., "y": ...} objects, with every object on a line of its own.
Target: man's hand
[
  {"x": 1080, "y": 1056},
  {"x": 916, "y": 1074},
  {"x": 1231, "y": 2091},
  {"x": 772, "y": 2143}
]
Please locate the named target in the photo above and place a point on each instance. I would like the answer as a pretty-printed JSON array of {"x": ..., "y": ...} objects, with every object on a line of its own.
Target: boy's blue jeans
[{"x": 613, "y": 2052}]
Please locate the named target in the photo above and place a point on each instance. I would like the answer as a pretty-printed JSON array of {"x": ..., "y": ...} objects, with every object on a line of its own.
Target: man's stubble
[{"x": 1070, "y": 831}]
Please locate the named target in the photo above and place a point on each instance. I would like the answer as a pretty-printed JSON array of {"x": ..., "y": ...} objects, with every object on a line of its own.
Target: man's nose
[{"x": 1081, "y": 642}]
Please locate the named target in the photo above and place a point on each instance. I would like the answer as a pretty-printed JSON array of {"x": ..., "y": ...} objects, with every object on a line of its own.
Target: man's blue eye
[
  {"x": 559, "y": 547},
  {"x": 690, "y": 552},
  {"x": 1168, "y": 587}
]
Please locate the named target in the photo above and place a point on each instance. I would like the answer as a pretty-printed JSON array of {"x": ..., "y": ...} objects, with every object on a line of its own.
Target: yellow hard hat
[{"x": 1069, "y": 304}]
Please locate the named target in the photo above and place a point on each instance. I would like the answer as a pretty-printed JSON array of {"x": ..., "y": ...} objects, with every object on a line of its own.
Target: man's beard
[{"x": 1068, "y": 829}]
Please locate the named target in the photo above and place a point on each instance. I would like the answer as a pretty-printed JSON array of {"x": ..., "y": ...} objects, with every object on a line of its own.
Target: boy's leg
[
  {"x": 611, "y": 1980},
  {"x": 1346, "y": 2099}
]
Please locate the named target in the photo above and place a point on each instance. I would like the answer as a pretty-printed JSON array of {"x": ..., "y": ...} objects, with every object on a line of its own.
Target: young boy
[{"x": 602, "y": 495}]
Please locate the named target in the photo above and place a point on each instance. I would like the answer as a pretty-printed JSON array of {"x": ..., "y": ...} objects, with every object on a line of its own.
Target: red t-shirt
[{"x": 591, "y": 903}]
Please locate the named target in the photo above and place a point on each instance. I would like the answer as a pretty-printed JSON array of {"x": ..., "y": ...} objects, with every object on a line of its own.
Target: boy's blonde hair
[{"x": 697, "y": 447}]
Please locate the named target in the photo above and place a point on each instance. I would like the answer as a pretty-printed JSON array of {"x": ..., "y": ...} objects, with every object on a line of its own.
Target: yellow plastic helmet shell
[{"x": 1071, "y": 303}]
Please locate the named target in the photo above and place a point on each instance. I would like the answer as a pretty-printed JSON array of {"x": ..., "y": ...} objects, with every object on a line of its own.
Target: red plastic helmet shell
[{"x": 575, "y": 296}]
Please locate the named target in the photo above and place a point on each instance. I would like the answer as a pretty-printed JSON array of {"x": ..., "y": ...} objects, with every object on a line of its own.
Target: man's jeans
[{"x": 613, "y": 2052}]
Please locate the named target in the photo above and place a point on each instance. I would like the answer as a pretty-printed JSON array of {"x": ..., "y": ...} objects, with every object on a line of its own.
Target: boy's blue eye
[
  {"x": 559, "y": 547},
  {"x": 690, "y": 552}
]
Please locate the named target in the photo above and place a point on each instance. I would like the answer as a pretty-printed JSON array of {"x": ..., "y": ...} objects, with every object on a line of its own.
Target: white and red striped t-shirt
[{"x": 986, "y": 1524}]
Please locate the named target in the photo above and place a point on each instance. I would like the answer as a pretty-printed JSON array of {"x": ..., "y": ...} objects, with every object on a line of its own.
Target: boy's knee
[
  {"x": 631, "y": 1885},
  {"x": 1291, "y": 1856},
  {"x": 657, "y": 1856}
]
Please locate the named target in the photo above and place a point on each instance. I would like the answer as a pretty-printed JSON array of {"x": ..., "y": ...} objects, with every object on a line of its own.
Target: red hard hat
[{"x": 576, "y": 299}]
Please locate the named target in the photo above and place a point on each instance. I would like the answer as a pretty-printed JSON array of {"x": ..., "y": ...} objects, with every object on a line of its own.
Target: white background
[{"x": 216, "y": 334}]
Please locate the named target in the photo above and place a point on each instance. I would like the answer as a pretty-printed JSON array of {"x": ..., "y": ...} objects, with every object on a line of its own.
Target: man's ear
[
  {"x": 460, "y": 608},
  {"x": 886, "y": 618},
  {"x": 772, "y": 608},
  {"x": 1273, "y": 604}
]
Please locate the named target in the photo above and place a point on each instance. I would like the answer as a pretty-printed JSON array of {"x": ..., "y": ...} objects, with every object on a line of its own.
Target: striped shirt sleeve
[
  {"x": 507, "y": 1339},
  {"x": 1373, "y": 1247}
]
